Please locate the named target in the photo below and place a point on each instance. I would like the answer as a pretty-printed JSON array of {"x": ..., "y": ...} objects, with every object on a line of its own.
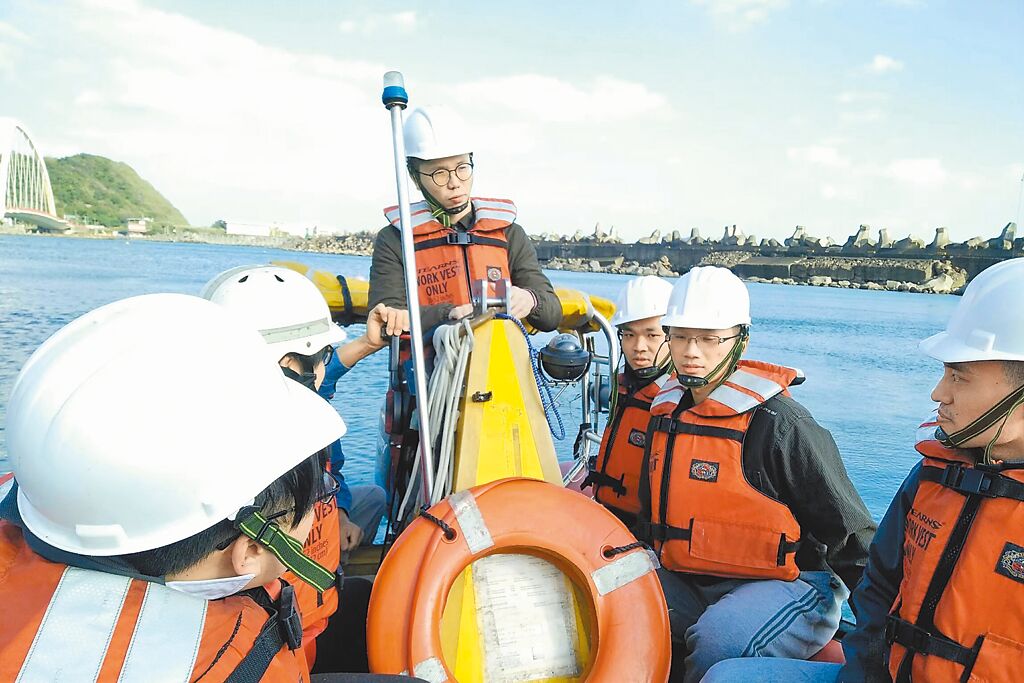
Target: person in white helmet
[
  {"x": 942, "y": 597},
  {"x": 743, "y": 495},
  {"x": 144, "y": 536},
  {"x": 459, "y": 238},
  {"x": 615, "y": 474},
  {"x": 292, "y": 316}
]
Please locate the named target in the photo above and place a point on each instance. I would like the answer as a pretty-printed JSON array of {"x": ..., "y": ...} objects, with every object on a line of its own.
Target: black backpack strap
[{"x": 283, "y": 627}]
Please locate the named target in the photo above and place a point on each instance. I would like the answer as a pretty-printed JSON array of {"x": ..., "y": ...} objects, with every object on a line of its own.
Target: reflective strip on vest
[
  {"x": 763, "y": 387},
  {"x": 499, "y": 211},
  {"x": 72, "y": 639},
  {"x": 474, "y": 529},
  {"x": 167, "y": 635},
  {"x": 5, "y": 487},
  {"x": 672, "y": 392},
  {"x": 734, "y": 399},
  {"x": 419, "y": 213}
]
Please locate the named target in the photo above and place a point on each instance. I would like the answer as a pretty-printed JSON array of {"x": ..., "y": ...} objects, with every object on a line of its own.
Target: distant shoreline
[{"x": 895, "y": 272}]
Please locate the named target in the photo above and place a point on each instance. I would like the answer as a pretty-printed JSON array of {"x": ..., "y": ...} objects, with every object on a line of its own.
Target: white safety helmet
[
  {"x": 643, "y": 297},
  {"x": 285, "y": 306},
  {"x": 105, "y": 467},
  {"x": 708, "y": 298},
  {"x": 429, "y": 135},
  {"x": 988, "y": 323}
]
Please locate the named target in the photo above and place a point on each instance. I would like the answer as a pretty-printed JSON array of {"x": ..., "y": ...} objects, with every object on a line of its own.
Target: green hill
[{"x": 106, "y": 192}]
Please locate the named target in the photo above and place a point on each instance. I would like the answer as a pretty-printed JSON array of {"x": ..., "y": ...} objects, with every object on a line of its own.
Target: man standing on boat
[
  {"x": 616, "y": 471},
  {"x": 459, "y": 239},
  {"x": 744, "y": 496},
  {"x": 942, "y": 597}
]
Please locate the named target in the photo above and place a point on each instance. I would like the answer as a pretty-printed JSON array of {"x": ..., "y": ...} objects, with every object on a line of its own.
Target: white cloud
[
  {"x": 10, "y": 40},
  {"x": 818, "y": 155},
  {"x": 736, "y": 15},
  {"x": 870, "y": 115},
  {"x": 884, "y": 64},
  {"x": 551, "y": 100},
  {"x": 229, "y": 126},
  {"x": 859, "y": 97},
  {"x": 919, "y": 172},
  {"x": 88, "y": 98},
  {"x": 10, "y": 32},
  {"x": 402, "y": 21},
  {"x": 234, "y": 128}
]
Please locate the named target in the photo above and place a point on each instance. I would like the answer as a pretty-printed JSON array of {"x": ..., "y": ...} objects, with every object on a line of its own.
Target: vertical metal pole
[{"x": 395, "y": 98}]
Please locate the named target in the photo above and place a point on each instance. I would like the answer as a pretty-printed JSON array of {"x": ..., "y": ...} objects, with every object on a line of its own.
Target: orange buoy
[{"x": 625, "y": 606}]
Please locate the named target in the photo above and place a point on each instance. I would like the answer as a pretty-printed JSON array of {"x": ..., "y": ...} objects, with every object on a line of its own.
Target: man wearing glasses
[
  {"x": 743, "y": 495},
  {"x": 459, "y": 239}
]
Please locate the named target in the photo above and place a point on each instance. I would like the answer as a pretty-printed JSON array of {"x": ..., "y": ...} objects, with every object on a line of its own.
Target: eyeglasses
[
  {"x": 331, "y": 487},
  {"x": 441, "y": 176},
  {"x": 704, "y": 341},
  {"x": 327, "y": 355}
]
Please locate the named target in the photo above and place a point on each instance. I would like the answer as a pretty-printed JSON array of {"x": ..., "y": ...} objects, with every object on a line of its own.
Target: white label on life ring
[
  {"x": 526, "y": 617},
  {"x": 431, "y": 670},
  {"x": 622, "y": 571},
  {"x": 474, "y": 529}
]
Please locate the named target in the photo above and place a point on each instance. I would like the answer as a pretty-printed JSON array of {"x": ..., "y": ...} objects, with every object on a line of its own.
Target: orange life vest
[
  {"x": 616, "y": 472},
  {"x": 699, "y": 511},
  {"x": 959, "y": 614},
  {"x": 71, "y": 624},
  {"x": 448, "y": 260},
  {"x": 323, "y": 545}
]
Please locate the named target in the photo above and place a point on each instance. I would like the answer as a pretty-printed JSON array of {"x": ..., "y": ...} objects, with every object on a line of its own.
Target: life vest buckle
[
  {"x": 666, "y": 425},
  {"x": 289, "y": 621},
  {"x": 906, "y": 634},
  {"x": 967, "y": 480},
  {"x": 459, "y": 238}
]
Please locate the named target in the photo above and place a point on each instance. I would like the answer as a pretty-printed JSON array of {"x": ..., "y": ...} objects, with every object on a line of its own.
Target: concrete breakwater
[{"x": 907, "y": 264}]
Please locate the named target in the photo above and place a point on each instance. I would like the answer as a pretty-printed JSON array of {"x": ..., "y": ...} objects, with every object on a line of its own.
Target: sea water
[{"x": 866, "y": 380}]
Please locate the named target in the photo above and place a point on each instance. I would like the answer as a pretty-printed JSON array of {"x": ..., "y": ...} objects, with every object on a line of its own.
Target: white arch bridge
[{"x": 27, "y": 195}]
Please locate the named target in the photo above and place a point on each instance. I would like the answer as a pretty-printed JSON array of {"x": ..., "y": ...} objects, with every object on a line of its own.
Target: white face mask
[{"x": 212, "y": 589}]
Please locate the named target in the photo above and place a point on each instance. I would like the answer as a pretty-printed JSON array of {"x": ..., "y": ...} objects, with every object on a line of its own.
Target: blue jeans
[
  {"x": 772, "y": 670},
  {"x": 369, "y": 503},
  {"x": 721, "y": 619}
]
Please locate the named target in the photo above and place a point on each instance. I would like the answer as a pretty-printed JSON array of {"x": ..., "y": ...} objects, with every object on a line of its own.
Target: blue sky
[{"x": 904, "y": 114}]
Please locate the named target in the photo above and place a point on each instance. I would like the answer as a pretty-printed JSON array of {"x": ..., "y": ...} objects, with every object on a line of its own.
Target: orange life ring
[{"x": 630, "y": 630}]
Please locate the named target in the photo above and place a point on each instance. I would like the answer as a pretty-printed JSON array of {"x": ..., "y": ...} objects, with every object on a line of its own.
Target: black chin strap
[
  {"x": 306, "y": 379},
  {"x": 1000, "y": 411}
]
